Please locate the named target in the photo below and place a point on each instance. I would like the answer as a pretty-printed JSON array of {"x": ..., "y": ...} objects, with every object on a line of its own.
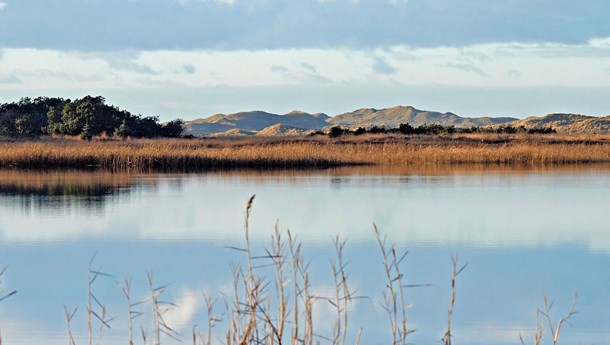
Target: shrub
[
  {"x": 336, "y": 131},
  {"x": 359, "y": 131}
]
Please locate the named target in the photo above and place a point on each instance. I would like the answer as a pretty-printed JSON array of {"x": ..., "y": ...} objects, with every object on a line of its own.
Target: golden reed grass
[
  {"x": 64, "y": 179},
  {"x": 316, "y": 152}
]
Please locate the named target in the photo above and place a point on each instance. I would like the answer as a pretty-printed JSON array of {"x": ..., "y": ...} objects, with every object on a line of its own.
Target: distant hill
[
  {"x": 567, "y": 123},
  {"x": 255, "y": 121},
  {"x": 300, "y": 123},
  {"x": 234, "y": 132},
  {"x": 393, "y": 117},
  {"x": 281, "y": 130}
]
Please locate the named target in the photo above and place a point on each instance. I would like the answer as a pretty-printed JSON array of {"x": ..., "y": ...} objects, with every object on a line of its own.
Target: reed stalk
[
  {"x": 302, "y": 294},
  {"x": 456, "y": 271},
  {"x": 251, "y": 284},
  {"x": 211, "y": 319},
  {"x": 132, "y": 314},
  {"x": 538, "y": 334},
  {"x": 102, "y": 314},
  {"x": 556, "y": 330},
  {"x": 69, "y": 315},
  {"x": 394, "y": 302},
  {"x": 159, "y": 308},
  {"x": 343, "y": 297}
]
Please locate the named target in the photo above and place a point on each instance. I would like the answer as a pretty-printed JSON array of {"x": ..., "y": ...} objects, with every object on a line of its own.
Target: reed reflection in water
[
  {"x": 483, "y": 206},
  {"x": 57, "y": 191},
  {"x": 523, "y": 231}
]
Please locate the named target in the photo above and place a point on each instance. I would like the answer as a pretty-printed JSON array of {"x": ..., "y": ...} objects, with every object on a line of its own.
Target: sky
[{"x": 195, "y": 58}]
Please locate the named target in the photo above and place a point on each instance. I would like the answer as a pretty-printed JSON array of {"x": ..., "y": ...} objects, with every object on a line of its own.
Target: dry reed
[
  {"x": 253, "y": 318},
  {"x": 101, "y": 315},
  {"x": 456, "y": 272},
  {"x": 307, "y": 152},
  {"x": 158, "y": 309},
  {"x": 554, "y": 331},
  {"x": 343, "y": 296},
  {"x": 69, "y": 317},
  {"x": 394, "y": 302}
]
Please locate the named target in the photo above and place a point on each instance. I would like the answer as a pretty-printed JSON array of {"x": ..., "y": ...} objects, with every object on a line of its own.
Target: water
[{"x": 524, "y": 233}]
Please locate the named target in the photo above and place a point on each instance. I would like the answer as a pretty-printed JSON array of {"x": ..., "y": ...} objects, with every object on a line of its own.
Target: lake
[{"x": 524, "y": 233}]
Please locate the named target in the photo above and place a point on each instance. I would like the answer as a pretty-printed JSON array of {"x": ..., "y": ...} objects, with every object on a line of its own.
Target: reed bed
[
  {"x": 161, "y": 154},
  {"x": 304, "y": 153}
]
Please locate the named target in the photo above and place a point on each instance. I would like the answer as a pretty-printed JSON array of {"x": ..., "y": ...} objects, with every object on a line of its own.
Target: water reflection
[
  {"x": 476, "y": 206},
  {"x": 525, "y": 232},
  {"x": 61, "y": 192}
]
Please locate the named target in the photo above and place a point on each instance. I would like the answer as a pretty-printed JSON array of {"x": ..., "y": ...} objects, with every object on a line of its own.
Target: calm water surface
[{"x": 524, "y": 233}]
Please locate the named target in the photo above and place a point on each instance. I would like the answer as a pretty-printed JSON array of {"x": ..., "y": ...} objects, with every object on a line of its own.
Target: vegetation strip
[
  {"x": 86, "y": 117},
  {"x": 305, "y": 153}
]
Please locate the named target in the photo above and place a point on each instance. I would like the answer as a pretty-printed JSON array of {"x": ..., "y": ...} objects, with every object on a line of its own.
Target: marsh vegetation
[{"x": 314, "y": 152}]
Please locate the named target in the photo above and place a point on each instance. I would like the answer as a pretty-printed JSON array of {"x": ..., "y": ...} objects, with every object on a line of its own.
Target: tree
[
  {"x": 85, "y": 117},
  {"x": 360, "y": 131},
  {"x": 406, "y": 128},
  {"x": 24, "y": 125},
  {"x": 146, "y": 126},
  {"x": 7, "y": 123},
  {"x": 86, "y": 132},
  {"x": 54, "y": 123},
  {"x": 335, "y": 131},
  {"x": 123, "y": 130},
  {"x": 72, "y": 123},
  {"x": 173, "y": 129}
]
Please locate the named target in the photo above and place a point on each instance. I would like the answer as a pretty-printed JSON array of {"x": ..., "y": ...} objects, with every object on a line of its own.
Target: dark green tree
[
  {"x": 86, "y": 117},
  {"x": 123, "y": 130},
  {"x": 406, "y": 128},
  {"x": 360, "y": 131},
  {"x": 7, "y": 123},
  {"x": 173, "y": 129},
  {"x": 86, "y": 132},
  {"x": 335, "y": 132}
]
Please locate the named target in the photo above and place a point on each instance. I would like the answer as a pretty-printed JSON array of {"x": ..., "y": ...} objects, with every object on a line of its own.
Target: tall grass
[
  {"x": 394, "y": 301},
  {"x": 265, "y": 153},
  {"x": 456, "y": 272}
]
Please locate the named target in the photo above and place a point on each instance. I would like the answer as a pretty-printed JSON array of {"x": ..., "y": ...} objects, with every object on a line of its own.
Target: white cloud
[
  {"x": 3, "y": 5},
  {"x": 189, "y": 303},
  {"x": 600, "y": 42},
  {"x": 323, "y": 312},
  {"x": 305, "y": 73},
  {"x": 382, "y": 67},
  {"x": 37, "y": 71},
  {"x": 488, "y": 65},
  {"x": 467, "y": 67}
]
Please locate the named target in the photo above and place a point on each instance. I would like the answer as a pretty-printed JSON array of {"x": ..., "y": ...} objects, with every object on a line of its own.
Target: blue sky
[{"x": 193, "y": 58}]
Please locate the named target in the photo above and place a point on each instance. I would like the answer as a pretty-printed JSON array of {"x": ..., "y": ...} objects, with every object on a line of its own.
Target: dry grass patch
[{"x": 314, "y": 152}]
